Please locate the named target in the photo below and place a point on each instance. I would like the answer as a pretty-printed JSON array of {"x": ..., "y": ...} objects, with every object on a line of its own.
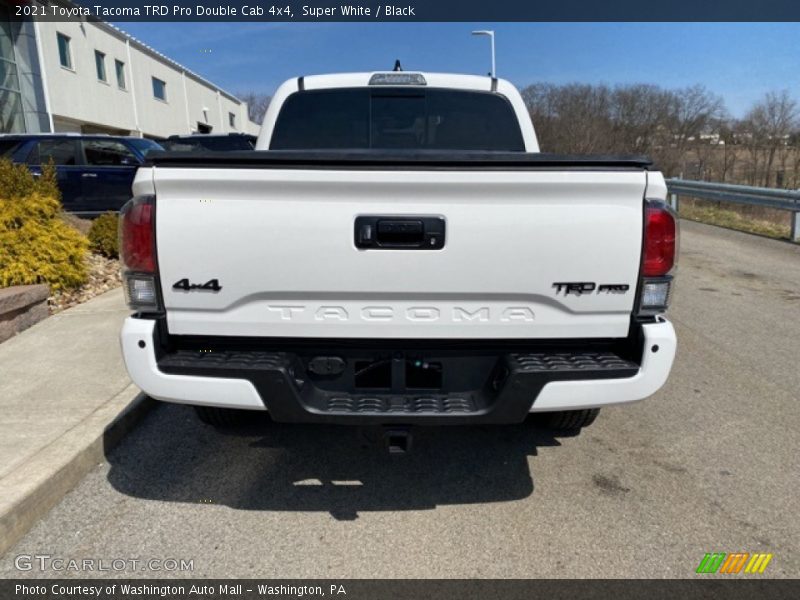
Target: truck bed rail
[{"x": 387, "y": 159}]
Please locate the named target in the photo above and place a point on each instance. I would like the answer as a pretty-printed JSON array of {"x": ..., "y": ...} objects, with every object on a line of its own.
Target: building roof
[{"x": 140, "y": 45}]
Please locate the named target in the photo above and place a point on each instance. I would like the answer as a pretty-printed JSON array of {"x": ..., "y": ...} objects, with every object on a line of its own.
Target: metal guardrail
[{"x": 739, "y": 194}]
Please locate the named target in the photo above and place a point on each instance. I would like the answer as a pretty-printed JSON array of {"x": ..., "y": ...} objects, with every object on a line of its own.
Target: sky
[{"x": 739, "y": 61}]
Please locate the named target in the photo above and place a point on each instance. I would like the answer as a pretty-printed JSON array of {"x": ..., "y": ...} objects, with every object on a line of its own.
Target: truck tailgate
[{"x": 280, "y": 243}]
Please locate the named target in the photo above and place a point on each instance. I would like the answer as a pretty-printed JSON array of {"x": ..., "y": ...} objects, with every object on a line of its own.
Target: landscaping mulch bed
[{"x": 103, "y": 276}]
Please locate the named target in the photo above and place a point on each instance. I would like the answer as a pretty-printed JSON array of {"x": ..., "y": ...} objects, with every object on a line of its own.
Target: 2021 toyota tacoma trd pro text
[{"x": 397, "y": 251}]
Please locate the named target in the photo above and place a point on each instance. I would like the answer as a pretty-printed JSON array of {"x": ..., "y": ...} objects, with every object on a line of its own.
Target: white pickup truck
[{"x": 397, "y": 251}]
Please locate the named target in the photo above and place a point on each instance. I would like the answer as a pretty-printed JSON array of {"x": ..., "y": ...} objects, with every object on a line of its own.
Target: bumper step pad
[
  {"x": 402, "y": 404},
  {"x": 571, "y": 362},
  {"x": 192, "y": 360},
  {"x": 290, "y": 395}
]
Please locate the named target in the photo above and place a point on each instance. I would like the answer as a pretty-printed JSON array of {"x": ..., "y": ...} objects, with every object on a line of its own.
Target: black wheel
[
  {"x": 219, "y": 417},
  {"x": 569, "y": 419}
]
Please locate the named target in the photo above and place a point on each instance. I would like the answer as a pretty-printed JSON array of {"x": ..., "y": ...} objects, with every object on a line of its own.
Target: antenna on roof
[{"x": 397, "y": 66}]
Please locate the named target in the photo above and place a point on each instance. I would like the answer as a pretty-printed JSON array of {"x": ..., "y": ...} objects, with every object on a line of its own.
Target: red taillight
[
  {"x": 137, "y": 243},
  {"x": 660, "y": 241}
]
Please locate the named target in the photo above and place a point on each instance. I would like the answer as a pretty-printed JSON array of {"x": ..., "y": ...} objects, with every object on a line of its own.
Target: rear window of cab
[{"x": 397, "y": 118}]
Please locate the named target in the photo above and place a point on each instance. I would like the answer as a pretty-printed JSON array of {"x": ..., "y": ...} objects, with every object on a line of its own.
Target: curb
[{"x": 31, "y": 490}]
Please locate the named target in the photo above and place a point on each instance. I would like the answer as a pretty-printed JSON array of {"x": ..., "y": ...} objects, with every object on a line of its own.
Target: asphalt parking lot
[{"x": 709, "y": 464}]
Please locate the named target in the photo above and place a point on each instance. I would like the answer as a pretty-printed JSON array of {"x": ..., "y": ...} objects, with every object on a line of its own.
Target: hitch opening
[{"x": 397, "y": 440}]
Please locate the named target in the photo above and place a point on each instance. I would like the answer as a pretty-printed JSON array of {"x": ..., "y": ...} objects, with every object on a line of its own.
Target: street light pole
[{"x": 490, "y": 34}]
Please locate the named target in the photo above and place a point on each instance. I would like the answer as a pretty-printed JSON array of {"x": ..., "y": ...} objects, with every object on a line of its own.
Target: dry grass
[{"x": 767, "y": 222}]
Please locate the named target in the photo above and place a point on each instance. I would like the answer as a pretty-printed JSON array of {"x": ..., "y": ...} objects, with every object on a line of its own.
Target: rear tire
[
  {"x": 569, "y": 419},
  {"x": 219, "y": 417}
]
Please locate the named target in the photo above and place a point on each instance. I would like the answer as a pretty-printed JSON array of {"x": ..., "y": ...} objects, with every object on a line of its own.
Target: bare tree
[
  {"x": 694, "y": 115},
  {"x": 686, "y": 131},
  {"x": 640, "y": 119},
  {"x": 728, "y": 150},
  {"x": 794, "y": 159},
  {"x": 573, "y": 118},
  {"x": 257, "y": 105},
  {"x": 768, "y": 126}
]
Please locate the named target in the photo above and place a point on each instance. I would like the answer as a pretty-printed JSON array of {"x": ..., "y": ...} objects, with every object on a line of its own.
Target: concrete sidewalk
[{"x": 64, "y": 397}]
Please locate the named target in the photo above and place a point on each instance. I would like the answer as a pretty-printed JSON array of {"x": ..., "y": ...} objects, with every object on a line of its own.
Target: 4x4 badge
[{"x": 211, "y": 285}]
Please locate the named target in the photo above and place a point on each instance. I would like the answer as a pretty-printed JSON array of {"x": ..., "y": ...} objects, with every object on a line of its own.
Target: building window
[
  {"x": 232, "y": 120},
  {"x": 119, "y": 66},
  {"x": 100, "y": 64},
  {"x": 12, "y": 119},
  {"x": 64, "y": 54},
  {"x": 159, "y": 89}
]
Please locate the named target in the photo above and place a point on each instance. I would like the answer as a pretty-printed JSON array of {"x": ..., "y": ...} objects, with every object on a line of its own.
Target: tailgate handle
[{"x": 399, "y": 233}]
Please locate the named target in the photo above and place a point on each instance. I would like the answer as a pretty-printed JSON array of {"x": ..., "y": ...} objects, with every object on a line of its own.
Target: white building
[{"x": 91, "y": 77}]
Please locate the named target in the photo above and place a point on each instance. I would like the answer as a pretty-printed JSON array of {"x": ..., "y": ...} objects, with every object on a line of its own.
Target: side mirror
[{"x": 129, "y": 162}]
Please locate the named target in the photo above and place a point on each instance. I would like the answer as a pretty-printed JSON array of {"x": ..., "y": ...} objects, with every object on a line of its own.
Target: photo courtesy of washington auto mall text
[
  {"x": 174, "y": 589},
  {"x": 453, "y": 299}
]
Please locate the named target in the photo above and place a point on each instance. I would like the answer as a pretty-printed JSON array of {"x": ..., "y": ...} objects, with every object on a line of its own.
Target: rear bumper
[{"x": 516, "y": 383}]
